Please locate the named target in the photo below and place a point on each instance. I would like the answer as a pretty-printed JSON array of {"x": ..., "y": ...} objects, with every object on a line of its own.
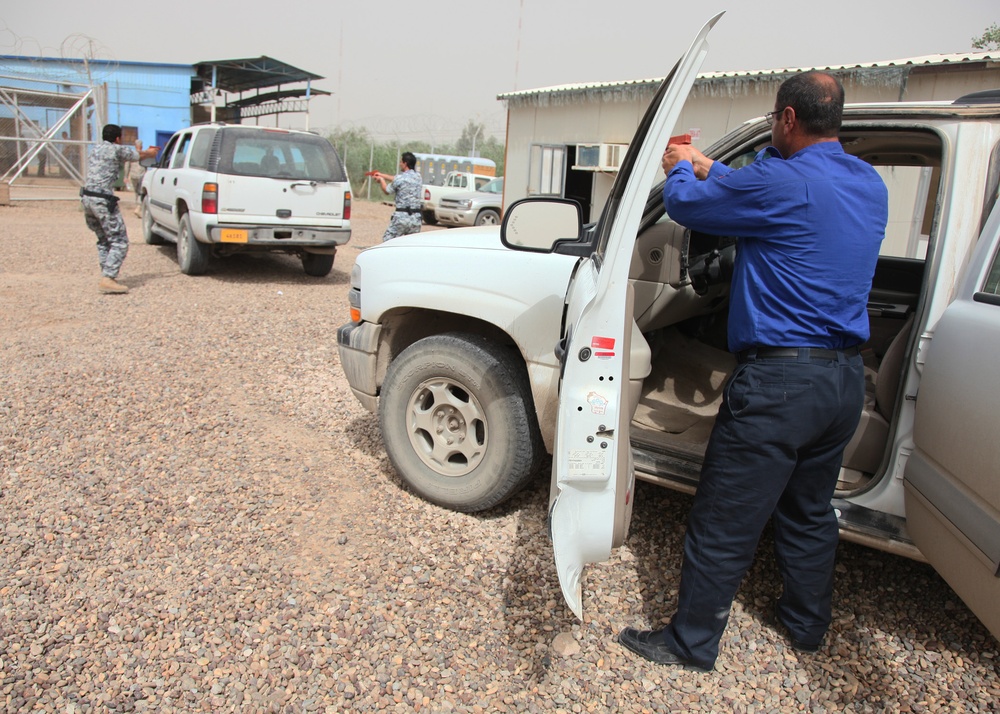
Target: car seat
[{"x": 865, "y": 450}]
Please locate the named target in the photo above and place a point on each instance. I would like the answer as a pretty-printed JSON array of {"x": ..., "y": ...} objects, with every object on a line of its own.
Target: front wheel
[
  {"x": 316, "y": 264},
  {"x": 458, "y": 421},
  {"x": 488, "y": 217},
  {"x": 192, "y": 256}
]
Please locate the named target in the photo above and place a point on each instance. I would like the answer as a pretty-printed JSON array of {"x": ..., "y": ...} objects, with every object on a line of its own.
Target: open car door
[
  {"x": 951, "y": 480},
  {"x": 592, "y": 473}
]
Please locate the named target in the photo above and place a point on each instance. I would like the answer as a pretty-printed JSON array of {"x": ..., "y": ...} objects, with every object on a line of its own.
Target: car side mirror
[{"x": 538, "y": 224}]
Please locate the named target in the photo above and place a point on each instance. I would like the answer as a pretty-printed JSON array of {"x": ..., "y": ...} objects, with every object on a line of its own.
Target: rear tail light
[
  {"x": 210, "y": 198},
  {"x": 427, "y": 194},
  {"x": 347, "y": 205}
]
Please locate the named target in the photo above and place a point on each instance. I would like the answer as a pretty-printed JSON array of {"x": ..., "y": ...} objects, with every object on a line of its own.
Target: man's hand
[{"x": 685, "y": 152}]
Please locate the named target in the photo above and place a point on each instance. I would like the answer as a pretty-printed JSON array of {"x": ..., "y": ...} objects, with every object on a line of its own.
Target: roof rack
[{"x": 987, "y": 96}]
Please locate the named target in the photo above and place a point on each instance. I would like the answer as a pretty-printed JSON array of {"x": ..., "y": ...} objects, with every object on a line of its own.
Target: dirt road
[{"x": 197, "y": 515}]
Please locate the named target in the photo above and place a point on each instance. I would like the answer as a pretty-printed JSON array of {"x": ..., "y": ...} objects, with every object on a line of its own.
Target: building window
[{"x": 546, "y": 168}]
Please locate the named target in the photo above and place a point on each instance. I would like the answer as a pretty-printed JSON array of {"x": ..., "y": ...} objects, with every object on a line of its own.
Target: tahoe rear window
[{"x": 277, "y": 154}]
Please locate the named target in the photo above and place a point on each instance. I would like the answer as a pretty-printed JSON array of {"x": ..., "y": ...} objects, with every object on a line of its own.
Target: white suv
[
  {"x": 220, "y": 189},
  {"x": 482, "y": 207}
]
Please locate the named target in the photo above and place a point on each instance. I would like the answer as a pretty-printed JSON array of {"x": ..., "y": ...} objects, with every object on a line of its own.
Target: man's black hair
[
  {"x": 818, "y": 101},
  {"x": 409, "y": 159},
  {"x": 111, "y": 132}
]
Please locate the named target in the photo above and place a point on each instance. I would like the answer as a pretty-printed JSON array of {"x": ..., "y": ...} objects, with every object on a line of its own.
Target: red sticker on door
[{"x": 602, "y": 343}]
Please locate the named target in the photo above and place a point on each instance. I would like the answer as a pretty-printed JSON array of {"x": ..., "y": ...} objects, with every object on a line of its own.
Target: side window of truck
[{"x": 201, "y": 149}]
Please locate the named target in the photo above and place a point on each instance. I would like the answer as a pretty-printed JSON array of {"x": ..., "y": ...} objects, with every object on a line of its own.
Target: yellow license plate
[{"x": 233, "y": 235}]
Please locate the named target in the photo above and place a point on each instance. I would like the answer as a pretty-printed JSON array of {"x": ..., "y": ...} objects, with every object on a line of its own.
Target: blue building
[
  {"x": 52, "y": 109},
  {"x": 68, "y": 100}
]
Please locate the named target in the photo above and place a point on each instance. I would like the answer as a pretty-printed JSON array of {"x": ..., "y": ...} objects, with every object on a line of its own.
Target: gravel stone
[{"x": 196, "y": 514}]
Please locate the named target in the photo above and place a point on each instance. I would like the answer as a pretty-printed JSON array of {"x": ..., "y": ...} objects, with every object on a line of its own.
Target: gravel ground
[{"x": 197, "y": 515}]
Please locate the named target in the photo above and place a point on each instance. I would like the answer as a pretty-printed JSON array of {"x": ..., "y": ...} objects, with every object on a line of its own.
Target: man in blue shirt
[{"x": 810, "y": 220}]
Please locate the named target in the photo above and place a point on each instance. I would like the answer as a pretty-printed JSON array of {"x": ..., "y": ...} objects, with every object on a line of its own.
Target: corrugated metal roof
[
  {"x": 910, "y": 62},
  {"x": 95, "y": 61},
  {"x": 239, "y": 75}
]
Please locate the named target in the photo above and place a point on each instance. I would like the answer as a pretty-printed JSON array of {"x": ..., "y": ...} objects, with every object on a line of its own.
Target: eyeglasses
[{"x": 769, "y": 116}]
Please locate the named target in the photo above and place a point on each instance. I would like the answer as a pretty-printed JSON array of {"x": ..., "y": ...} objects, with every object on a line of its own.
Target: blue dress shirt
[{"x": 810, "y": 228}]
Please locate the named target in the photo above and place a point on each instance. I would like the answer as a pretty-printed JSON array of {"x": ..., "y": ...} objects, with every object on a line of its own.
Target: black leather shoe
[
  {"x": 656, "y": 651},
  {"x": 797, "y": 645}
]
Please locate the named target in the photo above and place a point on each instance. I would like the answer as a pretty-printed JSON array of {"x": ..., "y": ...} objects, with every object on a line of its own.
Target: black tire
[
  {"x": 458, "y": 422},
  {"x": 488, "y": 217},
  {"x": 151, "y": 237},
  {"x": 429, "y": 218},
  {"x": 192, "y": 256},
  {"x": 317, "y": 265}
]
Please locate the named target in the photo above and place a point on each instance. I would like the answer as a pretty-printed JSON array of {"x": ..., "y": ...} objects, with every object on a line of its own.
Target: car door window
[
  {"x": 168, "y": 152},
  {"x": 177, "y": 162}
]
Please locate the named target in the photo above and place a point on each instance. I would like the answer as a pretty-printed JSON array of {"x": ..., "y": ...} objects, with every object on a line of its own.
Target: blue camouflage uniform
[
  {"x": 406, "y": 219},
  {"x": 100, "y": 205}
]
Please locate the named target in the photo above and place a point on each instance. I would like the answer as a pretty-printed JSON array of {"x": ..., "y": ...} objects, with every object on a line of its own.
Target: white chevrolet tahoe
[
  {"x": 220, "y": 189},
  {"x": 605, "y": 345}
]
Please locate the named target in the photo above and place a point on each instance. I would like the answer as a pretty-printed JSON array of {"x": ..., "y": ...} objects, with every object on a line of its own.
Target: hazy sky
[{"x": 428, "y": 66}]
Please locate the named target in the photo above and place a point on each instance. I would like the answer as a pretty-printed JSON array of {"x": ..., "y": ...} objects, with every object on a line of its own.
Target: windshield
[{"x": 494, "y": 186}]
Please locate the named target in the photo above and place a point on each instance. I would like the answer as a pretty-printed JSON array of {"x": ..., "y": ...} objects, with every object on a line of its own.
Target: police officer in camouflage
[
  {"x": 407, "y": 186},
  {"x": 100, "y": 205}
]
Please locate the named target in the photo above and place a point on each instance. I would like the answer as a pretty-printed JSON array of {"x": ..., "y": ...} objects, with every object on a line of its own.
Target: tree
[
  {"x": 471, "y": 140},
  {"x": 989, "y": 40},
  {"x": 475, "y": 142}
]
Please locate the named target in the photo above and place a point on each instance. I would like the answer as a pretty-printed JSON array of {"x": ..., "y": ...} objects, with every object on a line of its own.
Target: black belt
[
  {"x": 111, "y": 199},
  {"x": 407, "y": 210},
  {"x": 765, "y": 352}
]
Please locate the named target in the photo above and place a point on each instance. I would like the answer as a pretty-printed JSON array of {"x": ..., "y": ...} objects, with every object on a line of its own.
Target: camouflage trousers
[
  {"x": 401, "y": 224},
  {"x": 112, "y": 240}
]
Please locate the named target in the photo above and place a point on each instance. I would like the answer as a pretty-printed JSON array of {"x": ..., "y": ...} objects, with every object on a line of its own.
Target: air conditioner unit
[
  {"x": 612, "y": 156},
  {"x": 599, "y": 157}
]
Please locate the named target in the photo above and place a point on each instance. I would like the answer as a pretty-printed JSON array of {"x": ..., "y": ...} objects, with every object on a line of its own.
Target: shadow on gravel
[
  {"x": 138, "y": 280},
  {"x": 273, "y": 268},
  {"x": 533, "y": 608},
  {"x": 882, "y": 603},
  {"x": 365, "y": 436}
]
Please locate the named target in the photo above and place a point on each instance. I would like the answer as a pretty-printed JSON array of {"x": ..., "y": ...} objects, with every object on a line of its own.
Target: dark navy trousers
[{"x": 775, "y": 453}]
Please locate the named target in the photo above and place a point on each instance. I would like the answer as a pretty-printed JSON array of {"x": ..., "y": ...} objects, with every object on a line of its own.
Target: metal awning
[
  {"x": 241, "y": 75},
  {"x": 235, "y": 76},
  {"x": 277, "y": 96}
]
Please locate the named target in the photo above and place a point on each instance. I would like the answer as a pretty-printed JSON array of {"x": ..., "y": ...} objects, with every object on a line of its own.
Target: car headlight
[{"x": 465, "y": 204}]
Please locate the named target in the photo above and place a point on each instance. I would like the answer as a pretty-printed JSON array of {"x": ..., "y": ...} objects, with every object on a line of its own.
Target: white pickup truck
[
  {"x": 605, "y": 345},
  {"x": 454, "y": 182}
]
